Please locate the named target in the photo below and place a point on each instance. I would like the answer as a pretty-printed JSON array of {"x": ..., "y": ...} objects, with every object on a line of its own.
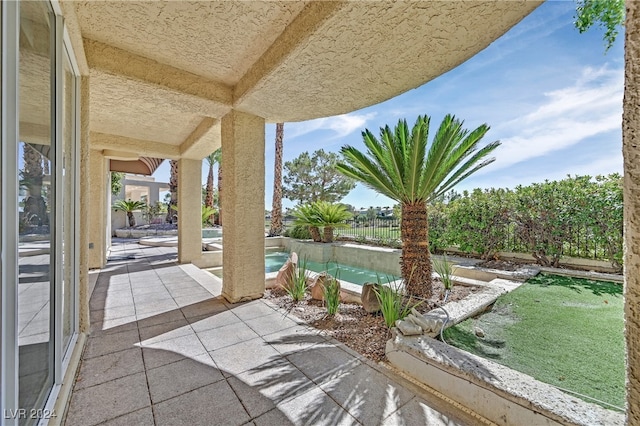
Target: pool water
[
  {"x": 274, "y": 261},
  {"x": 352, "y": 274}
]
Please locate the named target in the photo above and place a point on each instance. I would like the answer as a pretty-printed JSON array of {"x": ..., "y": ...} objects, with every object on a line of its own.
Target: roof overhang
[{"x": 163, "y": 73}]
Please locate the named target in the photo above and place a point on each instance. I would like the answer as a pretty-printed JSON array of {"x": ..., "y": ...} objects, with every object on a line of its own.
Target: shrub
[
  {"x": 392, "y": 303},
  {"x": 298, "y": 287},
  {"x": 445, "y": 270},
  {"x": 332, "y": 295},
  {"x": 299, "y": 232},
  {"x": 479, "y": 221}
]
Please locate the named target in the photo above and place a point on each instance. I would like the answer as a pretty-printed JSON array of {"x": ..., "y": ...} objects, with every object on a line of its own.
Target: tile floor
[{"x": 166, "y": 349}]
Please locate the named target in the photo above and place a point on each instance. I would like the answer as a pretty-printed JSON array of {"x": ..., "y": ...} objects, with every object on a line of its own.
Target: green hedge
[{"x": 577, "y": 216}]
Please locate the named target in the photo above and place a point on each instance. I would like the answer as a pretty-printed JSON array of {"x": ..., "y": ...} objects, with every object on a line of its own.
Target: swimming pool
[
  {"x": 352, "y": 274},
  {"x": 274, "y": 261}
]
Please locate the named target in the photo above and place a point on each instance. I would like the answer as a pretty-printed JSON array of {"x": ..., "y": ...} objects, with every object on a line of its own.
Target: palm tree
[
  {"x": 276, "y": 206},
  {"x": 218, "y": 153},
  {"x": 173, "y": 188},
  {"x": 400, "y": 167},
  {"x": 129, "y": 207},
  {"x": 211, "y": 159},
  {"x": 331, "y": 216},
  {"x": 35, "y": 209},
  {"x": 307, "y": 215}
]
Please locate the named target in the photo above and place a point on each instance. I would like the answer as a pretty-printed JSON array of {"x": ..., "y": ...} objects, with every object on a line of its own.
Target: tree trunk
[
  {"x": 276, "y": 206},
  {"x": 208, "y": 199},
  {"x": 328, "y": 234},
  {"x": 315, "y": 234},
  {"x": 219, "y": 222},
  {"x": 416, "y": 259},
  {"x": 173, "y": 188},
  {"x": 35, "y": 210},
  {"x": 132, "y": 219}
]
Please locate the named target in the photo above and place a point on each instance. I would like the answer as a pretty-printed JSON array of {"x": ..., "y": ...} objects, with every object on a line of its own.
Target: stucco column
[
  {"x": 243, "y": 201},
  {"x": 631, "y": 153},
  {"x": 98, "y": 173},
  {"x": 189, "y": 210},
  {"x": 84, "y": 292}
]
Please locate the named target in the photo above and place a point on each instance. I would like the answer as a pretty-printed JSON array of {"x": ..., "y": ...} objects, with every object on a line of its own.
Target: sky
[{"x": 551, "y": 95}]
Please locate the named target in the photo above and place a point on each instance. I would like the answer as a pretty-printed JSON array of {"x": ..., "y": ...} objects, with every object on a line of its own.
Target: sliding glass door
[
  {"x": 36, "y": 206},
  {"x": 38, "y": 198}
]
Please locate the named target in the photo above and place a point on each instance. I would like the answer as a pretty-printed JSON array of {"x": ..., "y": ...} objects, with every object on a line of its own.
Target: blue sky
[{"x": 550, "y": 95}]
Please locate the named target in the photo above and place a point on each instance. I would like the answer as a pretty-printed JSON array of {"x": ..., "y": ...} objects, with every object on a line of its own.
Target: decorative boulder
[
  {"x": 369, "y": 298},
  {"x": 317, "y": 285},
  {"x": 286, "y": 273},
  {"x": 408, "y": 328}
]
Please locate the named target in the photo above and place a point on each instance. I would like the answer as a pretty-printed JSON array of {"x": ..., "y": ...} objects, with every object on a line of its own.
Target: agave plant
[
  {"x": 129, "y": 206},
  {"x": 331, "y": 216},
  {"x": 307, "y": 215}
]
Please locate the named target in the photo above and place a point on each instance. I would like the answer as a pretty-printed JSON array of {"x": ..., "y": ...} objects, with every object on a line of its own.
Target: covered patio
[{"x": 167, "y": 349}]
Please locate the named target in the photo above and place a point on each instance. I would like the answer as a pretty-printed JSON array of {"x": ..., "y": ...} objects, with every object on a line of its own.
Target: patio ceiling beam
[
  {"x": 143, "y": 148},
  {"x": 294, "y": 37},
  {"x": 116, "y": 61},
  {"x": 204, "y": 139},
  {"x": 75, "y": 35}
]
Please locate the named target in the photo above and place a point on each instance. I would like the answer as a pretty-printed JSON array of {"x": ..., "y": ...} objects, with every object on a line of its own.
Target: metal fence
[{"x": 387, "y": 231}]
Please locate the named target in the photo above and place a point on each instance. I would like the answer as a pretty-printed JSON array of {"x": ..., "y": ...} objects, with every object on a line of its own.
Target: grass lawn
[{"x": 568, "y": 332}]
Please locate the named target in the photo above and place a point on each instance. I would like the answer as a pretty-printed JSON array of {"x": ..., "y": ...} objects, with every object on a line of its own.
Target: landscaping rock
[
  {"x": 317, "y": 285},
  {"x": 370, "y": 301},
  {"x": 286, "y": 273},
  {"x": 479, "y": 332},
  {"x": 408, "y": 328}
]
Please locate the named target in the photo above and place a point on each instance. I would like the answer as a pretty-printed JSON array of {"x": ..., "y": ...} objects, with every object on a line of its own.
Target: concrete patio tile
[
  {"x": 143, "y": 417},
  {"x": 312, "y": 408},
  {"x": 161, "y": 318},
  {"x": 295, "y": 339},
  {"x": 101, "y": 369},
  {"x": 154, "y": 358},
  {"x": 243, "y": 356},
  {"x": 150, "y": 282},
  {"x": 112, "y": 313},
  {"x": 100, "y": 295},
  {"x": 117, "y": 285},
  {"x": 146, "y": 309},
  {"x": 251, "y": 310},
  {"x": 215, "y": 404},
  {"x": 368, "y": 395},
  {"x": 111, "y": 301},
  {"x": 417, "y": 412},
  {"x": 324, "y": 363},
  {"x": 116, "y": 325},
  {"x": 271, "y": 323},
  {"x": 112, "y": 399},
  {"x": 190, "y": 299},
  {"x": 110, "y": 343},
  {"x": 262, "y": 388},
  {"x": 163, "y": 352},
  {"x": 180, "y": 377},
  {"x": 165, "y": 331},
  {"x": 152, "y": 297},
  {"x": 273, "y": 417},
  {"x": 211, "y": 321},
  {"x": 208, "y": 307},
  {"x": 157, "y": 287},
  {"x": 226, "y": 336}
]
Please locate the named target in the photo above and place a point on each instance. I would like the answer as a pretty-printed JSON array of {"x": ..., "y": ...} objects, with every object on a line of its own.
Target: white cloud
[
  {"x": 591, "y": 106},
  {"x": 340, "y": 125}
]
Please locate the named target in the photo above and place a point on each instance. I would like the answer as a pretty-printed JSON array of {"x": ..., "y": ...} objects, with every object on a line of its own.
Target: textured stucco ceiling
[
  {"x": 219, "y": 40},
  {"x": 160, "y": 69}
]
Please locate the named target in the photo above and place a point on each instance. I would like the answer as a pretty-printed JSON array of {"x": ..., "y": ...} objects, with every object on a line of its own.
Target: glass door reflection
[{"x": 35, "y": 207}]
